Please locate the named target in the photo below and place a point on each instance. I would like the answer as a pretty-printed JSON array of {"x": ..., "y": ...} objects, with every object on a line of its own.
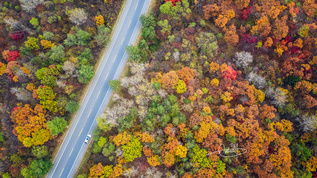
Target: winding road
[{"x": 98, "y": 95}]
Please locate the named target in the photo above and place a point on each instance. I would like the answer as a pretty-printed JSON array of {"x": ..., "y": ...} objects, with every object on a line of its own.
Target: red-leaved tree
[{"x": 13, "y": 55}]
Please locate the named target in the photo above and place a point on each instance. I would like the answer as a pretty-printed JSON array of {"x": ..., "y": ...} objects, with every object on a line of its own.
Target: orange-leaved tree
[{"x": 30, "y": 125}]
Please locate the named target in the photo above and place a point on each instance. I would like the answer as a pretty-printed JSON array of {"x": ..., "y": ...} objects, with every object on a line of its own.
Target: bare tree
[
  {"x": 257, "y": 80},
  {"x": 69, "y": 68},
  {"x": 12, "y": 23},
  {"x": 136, "y": 68},
  {"x": 78, "y": 16},
  {"x": 162, "y": 93},
  {"x": 143, "y": 110},
  {"x": 133, "y": 91},
  {"x": 21, "y": 93},
  {"x": 119, "y": 152},
  {"x": 125, "y": 82},
  {"x": 176, "y": 55},
  {"x": 60, "y": 83},
  {"x": 131, "y": 172},
  {"x": 152, "y": 173},
  {"x": 29, "y": 5},
  {"x": 307, "y": 123},
  {"x": 278, "y": 96},
  {"x": 243, "y": 58},
  {"x": 17, "y": 26}
]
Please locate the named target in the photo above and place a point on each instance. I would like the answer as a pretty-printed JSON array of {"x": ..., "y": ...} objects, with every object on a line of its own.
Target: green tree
[
  {"x": 143, "y": 50},
  {"x": 83, "y": 37},
  {"x": 70, "y": 40},
  {"x": 25, "y": 51},
  {"x": 26, "y": 172},
  {"x": 125, "y": 123},
  {"x": 231, "y": 138},
  {"x": 165, "y": 119},
  {"x": 102, "y": 140},
  {"x": 147, "y": 21},
  {"x": 207, "y": 43},
  {"x": 86, "y": 73},
  {"x": 86, "y": 54},
  {"x": 115, "y": 85},
  {"x": 157, "y": 85},
  {"x": 148, "y": 124},
  {"x": 16, "y": 160},
  {"x": 82, "y": 176},
  {"x": 160, "y": 110},
  {"x": 108, "y": 150},
  {"x": 221, "y": 166},
  {"x": 166, "y": 8},
  {"x": 48, "y": 36},
  {"x": 96, "y": 134},
  {"x": 299, "y": 150},
  {"x": 180, "y": 118},
  {"x": 96, "y": 148},
  {"x": 174, "y": 110},
  {"x": 200, "y": 156},
  {"x": 56, "y": 55},
  {"x": 165, "y": 26},
  {"x": 34, "y": 22},
  {"x": 41, "y": 167},
  {"x": 45, "y": 93},
  {"x": 156, "y": 99},
  {"x": 292, "y": 80},
  {"x": 6, "y": 175},
  {"x": 172, "y": 99},
  {"x": 102, "y": 125},
  {"x": 132, "y": 150},
  {"x": 50, "y": 105},
  {"x": 148, "y": 24},
  {"x": 202, "y": 23},
  {"x": 167, "y": 104},
  {"x": 38, "y": 168},
  {"x": 32, "y": 43},
  {"x": 134, "y": 53},
  {"x": 1, "y": 137},
  {"x": 40, "y": 151},
  {"x": 47, "y": 76},
  {"x": 148, "y": 33},
  {"x": 103, "y": 35},
  {"x": 134, "y": 112},
  {"x": 72, "y": 106},
  {"x": 57, "y": 125}
]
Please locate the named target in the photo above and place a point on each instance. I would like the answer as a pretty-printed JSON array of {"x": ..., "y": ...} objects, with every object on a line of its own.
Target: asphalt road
[{"x": 98, "y": 95}]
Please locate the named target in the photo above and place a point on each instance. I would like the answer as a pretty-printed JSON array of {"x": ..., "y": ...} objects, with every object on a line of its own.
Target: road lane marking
[
  {"x": 71, "y": 151},
  {"x": 61, "y": 172},
  {"x": 130, "y": 23},
  {"x": 80, "y": 131},
  {"x": 106, "y": 76},
  {"x": 136, "y": 5},
  {"x": 122, "y": 41},
  {"x": 114, "y": 58},
  {"x": 98, "y": 93},
  {"x": 89, "y": 113}
]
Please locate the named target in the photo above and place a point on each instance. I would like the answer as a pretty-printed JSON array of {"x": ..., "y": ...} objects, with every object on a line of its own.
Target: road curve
[{"x": 97, "y": 97}]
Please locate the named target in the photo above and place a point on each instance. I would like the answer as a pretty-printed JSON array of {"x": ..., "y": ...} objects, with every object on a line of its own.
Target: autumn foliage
[{"x": 30, "y": 125}]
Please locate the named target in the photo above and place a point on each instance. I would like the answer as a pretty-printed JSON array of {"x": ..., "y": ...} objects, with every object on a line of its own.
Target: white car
[{"x": 87, "y": 138}]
